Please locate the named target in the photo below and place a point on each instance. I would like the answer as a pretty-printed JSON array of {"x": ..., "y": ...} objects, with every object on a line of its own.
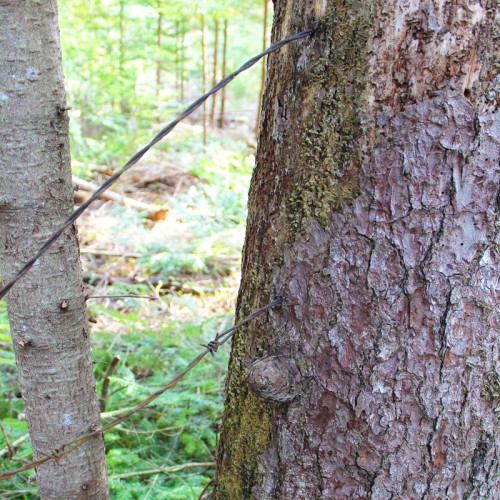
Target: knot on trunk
[{"x": 274, "y": 378}]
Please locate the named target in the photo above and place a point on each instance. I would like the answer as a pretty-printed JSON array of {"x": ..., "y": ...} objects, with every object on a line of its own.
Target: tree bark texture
[
  {"x": 374, "y": 212},
  {"x": 47, "y": 310}
]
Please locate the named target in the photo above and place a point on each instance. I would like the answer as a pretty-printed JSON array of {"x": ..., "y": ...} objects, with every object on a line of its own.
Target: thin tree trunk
[
  {"x": 263, "y": 67},
  {"x": 214, "y": 70},
  {"x": 224, "y": 61},
  {"x": 121, "y": 59},
  {"x": 177, "y": 60},
  {"x": 204, "y": 77},
  {"x": 373, "y": 213},
  {"x": 182, "y": 53},
  {"x": 46, "y": 308},
  {"x": 159, "y": 36}
]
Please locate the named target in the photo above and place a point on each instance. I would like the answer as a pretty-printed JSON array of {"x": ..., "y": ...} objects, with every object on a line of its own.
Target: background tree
[
  {"x": 372, "y": 211},
  {"x": 100, "y": 75},
  {"x": 265, "y": 36},
  {"x": 47, "y": 310},
  {"x": 223, "y": 72},
  {"x": 215, "y": 68}
]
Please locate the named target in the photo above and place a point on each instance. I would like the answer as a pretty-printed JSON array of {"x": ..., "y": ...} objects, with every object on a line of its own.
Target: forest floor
[{"x": 181, "y": 249}]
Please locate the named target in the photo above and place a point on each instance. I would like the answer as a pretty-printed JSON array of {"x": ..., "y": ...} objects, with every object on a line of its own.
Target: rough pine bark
[
  {"x": 374, "y": 212},
  {"x": 47, "y": 307}
]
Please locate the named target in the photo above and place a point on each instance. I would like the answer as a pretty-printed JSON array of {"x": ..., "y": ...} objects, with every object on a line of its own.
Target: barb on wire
[
  {"x": 72, "y": 445},
  {"x": 163, "y": 133}
]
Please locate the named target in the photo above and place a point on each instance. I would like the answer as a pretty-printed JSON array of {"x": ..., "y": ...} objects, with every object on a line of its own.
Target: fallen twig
[
  {"x": 105, "y": 385},
  {"x": 154, "y": 212},
  {"x": 114, "y": 413},
  {"x": 110, "y": 253},
  {"x": 10, "y": 448},
  {"x": 15, "y": 444},
  {"x": 204, "y": 490},
  {"x": 163, "y": 470},
  {"x": 147, "y": 297}
]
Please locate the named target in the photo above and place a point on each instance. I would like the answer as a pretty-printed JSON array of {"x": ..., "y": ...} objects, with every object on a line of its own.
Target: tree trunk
[
  {"x": 372, "y": 212},
  {"x": 224, "y": 62},
  {"x": 159, "y": 36},
  {"x": 204, "y": 77},
  {"x": 177, "y": 59},
  {"x": 183, "y": 56},
  {"x": 47, "y": 307},
  {"x": 124, "y": 106},
  {"x": 214, "y": 70}
]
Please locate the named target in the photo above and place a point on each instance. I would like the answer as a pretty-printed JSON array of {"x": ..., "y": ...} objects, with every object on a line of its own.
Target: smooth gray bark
[
  {"x": 374, "y": 211},
  {"x": 46, "y": 308}
]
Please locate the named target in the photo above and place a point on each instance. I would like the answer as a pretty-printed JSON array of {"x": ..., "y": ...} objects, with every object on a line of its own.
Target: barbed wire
[
  {"x": 212, "y": 346},
  {"x": 75, "y": 443},
  {"x": 137, "y": 156}
]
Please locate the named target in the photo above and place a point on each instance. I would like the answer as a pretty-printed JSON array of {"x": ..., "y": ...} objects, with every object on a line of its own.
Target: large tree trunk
[
  {"x": 47, "y": 307},
  {"x": 372, "y": 207}
]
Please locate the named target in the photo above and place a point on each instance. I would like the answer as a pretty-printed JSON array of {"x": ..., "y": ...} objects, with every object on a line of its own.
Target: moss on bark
[{"x": 326, "y": 174}]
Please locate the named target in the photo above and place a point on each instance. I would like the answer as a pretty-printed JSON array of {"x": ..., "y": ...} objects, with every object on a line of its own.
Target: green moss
[
  {"x": 491, "y": 386},
  {"x": 251, "y": 439},
  {"x": 326, "y": 174},
  {"x": 247, "y": 427}
]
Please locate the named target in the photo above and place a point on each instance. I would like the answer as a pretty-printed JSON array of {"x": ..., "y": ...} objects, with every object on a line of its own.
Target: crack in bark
[
  {"x": 491, "y": 242},
  {"x": 443, "y": 334},
  {"x": 319, "y": 475},
  {"x": 421, "y": 398},
  {"x": 478, "y": 460}
]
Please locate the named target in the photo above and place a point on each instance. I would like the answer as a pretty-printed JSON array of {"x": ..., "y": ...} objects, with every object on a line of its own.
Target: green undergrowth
[
  {"x": 154, "y": 340},
  {"x": 178, "y": 428},
  {"x": 190, "y": 263}
]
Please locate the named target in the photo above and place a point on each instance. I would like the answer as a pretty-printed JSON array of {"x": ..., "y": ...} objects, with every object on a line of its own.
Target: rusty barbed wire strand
[
  {"x": 137, "y": 156},
  {"x": 75, "y": 443}
]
